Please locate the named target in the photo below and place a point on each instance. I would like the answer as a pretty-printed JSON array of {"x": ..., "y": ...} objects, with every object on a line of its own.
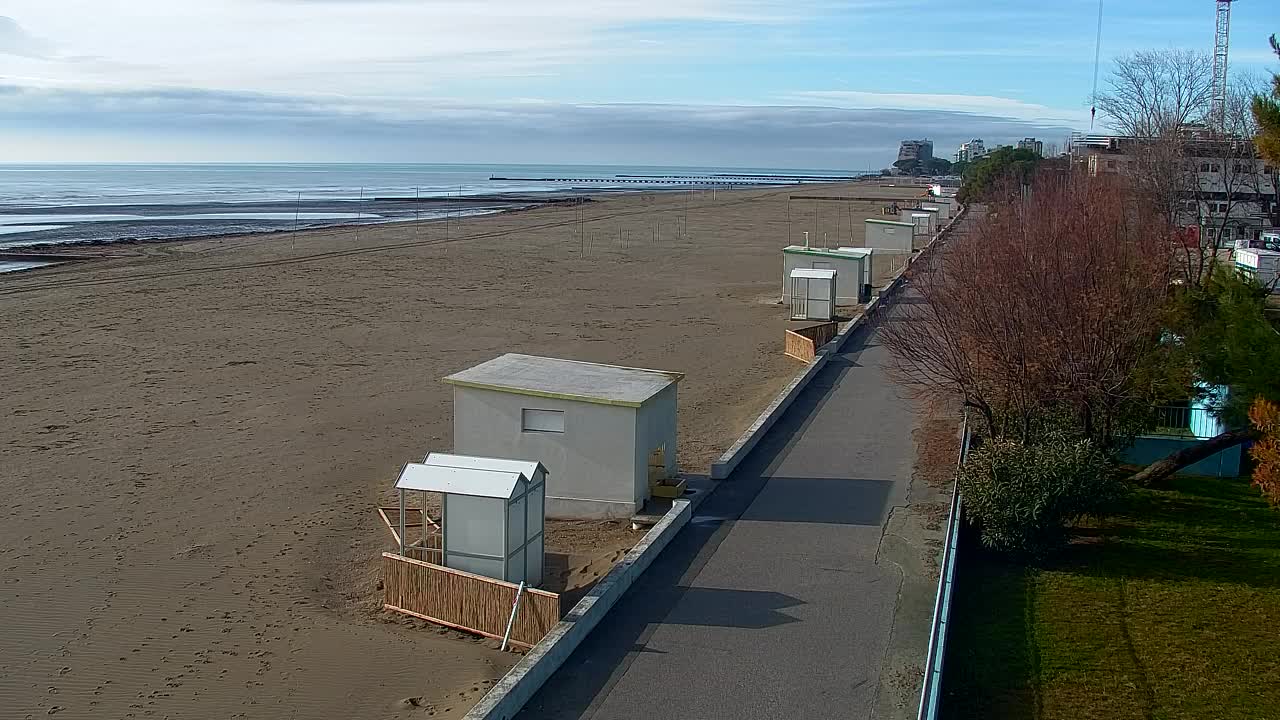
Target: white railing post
[{"x": 511, "y": 621}]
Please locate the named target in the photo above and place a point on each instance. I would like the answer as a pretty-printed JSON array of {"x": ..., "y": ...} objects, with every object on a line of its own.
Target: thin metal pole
[
  {"x": 511, "y": 621},
  {"x": 417, "y": 212}
]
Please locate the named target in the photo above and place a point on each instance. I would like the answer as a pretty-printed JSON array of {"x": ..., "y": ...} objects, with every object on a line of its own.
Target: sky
[{"x": 747, "y": 83}]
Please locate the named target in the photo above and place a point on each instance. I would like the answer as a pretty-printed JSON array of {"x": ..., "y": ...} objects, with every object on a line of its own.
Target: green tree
[
  {"x": 932, "y": 166},
  {"x": 1266, "y": 111},
  {"x": 1220, "y": 336},
  {"x": 990, "y": 174},
  {"x": 937, "y": 166}
]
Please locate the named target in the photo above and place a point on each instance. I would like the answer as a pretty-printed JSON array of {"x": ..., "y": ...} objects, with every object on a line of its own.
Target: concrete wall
[
  {"x": 656, "y": 426},
  {"x": 591, "y": 466},
  {"x": 889, "y": 237},
  {"x": 1146, "y": 450},
  {"x": 851, "y": 272}
]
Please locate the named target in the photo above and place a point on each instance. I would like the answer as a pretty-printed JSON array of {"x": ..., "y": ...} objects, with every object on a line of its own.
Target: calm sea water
[{"x": 101, "y": 203}]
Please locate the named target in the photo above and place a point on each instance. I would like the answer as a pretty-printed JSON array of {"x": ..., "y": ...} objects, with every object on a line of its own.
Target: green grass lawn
[{"x": 1170, "y": 609}]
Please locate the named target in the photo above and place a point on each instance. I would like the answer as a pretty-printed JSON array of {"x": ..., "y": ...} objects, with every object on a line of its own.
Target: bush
[
  {"x": 1265, "y": 416},
  {"x": 1022, "y": 497}
]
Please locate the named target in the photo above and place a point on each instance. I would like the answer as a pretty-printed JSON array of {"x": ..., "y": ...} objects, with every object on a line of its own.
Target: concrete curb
[
  {"x": 725, "y": 465},
  {"x": 720, "y": 469},
  {"x": 509, "y": 695}
]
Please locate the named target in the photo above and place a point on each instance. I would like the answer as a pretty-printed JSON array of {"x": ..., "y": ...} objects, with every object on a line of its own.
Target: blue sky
[{"x": 798, "y": 83}]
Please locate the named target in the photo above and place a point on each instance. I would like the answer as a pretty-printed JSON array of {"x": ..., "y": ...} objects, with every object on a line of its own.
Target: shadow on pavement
[
  {"x": 843, "y": 501},
  {"x": 604, "y": 657}
]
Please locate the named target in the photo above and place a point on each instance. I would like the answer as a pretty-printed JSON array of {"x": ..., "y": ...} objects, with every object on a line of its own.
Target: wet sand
[{"x": 196, "y": 434}]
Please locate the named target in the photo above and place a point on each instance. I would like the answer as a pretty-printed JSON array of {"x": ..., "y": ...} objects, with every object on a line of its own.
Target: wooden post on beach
[
  {"x": 788, "y": 219},
  {"x": 417, "y": 213},
  {"x": 836, "y": 212},
  {"x": 849, "y": 204},
  {"x": 293, "y": 239},
  {"x": 684, "y": 224},
  {"x": 359, "y": 207}
]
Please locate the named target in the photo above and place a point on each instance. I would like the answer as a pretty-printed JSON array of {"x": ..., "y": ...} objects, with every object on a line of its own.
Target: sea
[{"x": 78, "y": 204}]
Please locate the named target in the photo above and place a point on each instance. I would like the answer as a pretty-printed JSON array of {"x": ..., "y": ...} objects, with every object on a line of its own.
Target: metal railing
[
  {"x": 931, "y": 691},
  {"x": 1184, "y": 422}
]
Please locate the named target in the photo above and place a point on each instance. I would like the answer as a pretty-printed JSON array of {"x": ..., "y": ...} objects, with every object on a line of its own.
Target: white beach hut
[
  {"x": 890, "y": 235},
  {"x": 942, "y": 210},
  {"x": 813, "y": 294},
  {"x": 605, "y": 433},
  {"x": 852, "y": 267},
  {"x": 921, "y": 220},
  {"x": 492, "y": 513}
]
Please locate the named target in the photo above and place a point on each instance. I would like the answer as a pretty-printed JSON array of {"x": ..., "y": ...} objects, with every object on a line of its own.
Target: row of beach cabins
[{"x": 538, "y": 438}]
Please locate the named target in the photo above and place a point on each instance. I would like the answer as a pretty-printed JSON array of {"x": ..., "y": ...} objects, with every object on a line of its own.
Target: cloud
[
  {"x": 16, "y": 41},
  {"x": 370, "y": 47},
  {"x": 319, "y": 129},
  {"x": 978, "y": 104}
]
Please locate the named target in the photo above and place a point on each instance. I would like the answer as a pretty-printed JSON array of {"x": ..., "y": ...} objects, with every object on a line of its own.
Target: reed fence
[{"x": 464, "y": 601}]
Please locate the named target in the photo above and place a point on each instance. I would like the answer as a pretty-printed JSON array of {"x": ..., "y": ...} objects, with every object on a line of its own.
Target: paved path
[{"x": 778, "y": 600}]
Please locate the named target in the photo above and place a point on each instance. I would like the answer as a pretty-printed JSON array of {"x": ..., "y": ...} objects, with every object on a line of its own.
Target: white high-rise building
[{"x": 971, "y": 150}]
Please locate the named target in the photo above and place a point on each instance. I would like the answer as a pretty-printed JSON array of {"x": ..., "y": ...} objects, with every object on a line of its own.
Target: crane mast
[{"x": 1221, "y": 41}]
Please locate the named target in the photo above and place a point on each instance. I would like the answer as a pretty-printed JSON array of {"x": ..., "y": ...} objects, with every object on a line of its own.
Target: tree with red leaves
[{"x": 1048, "y": 311}]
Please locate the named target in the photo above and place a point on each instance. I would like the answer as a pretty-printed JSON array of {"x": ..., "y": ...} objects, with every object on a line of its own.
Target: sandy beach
[{"x": 196, "y": 434}]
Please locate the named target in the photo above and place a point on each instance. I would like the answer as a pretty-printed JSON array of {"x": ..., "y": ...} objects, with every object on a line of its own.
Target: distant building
[
  {"x": 1223, "y": 184},
  {"x": 971, "y": 150},
  {"x": 1031, "y": 144},
  {"x": 918, "y": 150}
]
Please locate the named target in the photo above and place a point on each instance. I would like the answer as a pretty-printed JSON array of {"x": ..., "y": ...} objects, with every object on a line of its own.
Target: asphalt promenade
[{"x": 780, "y": 598}]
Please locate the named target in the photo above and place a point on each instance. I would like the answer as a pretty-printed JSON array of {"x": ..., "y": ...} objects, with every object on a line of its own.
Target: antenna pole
[{"x": 1097, "y": 60}]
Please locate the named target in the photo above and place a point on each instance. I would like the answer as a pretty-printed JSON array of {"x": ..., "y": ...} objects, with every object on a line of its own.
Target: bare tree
[
  {"x": 1044, "y": 309},
  {"x": 1226, "y": 175},
  {"x": 1152, "y": 93},
  {"x": 1200, "y": 176}
]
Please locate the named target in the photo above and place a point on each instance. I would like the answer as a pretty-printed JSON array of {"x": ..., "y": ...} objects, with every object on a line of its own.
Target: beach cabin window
[{"x": 542, "y": 420}]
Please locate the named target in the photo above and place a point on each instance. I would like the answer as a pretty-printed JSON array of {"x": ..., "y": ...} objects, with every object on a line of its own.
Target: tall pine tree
[{"x": 1266, "y": 110}]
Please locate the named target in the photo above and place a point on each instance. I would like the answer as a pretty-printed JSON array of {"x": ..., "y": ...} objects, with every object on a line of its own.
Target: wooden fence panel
[
  {"x": 803, "y": 344},
  {"x": 465, "y": 601},
  {"x": 821, "y": 334},
  {"x": 799, "y": 347}
]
